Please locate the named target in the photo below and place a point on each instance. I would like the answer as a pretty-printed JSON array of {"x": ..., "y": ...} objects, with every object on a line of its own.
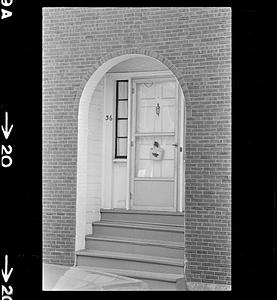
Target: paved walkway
[{"x": 56, "y": 277}]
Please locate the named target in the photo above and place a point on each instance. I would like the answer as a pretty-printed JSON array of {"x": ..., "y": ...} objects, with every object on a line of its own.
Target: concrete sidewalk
[{"x": 57, "y": 278}]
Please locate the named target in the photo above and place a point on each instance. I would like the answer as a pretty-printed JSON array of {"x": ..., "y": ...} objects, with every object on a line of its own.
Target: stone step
[
  {"x": 144, "y": 223},
  {"x": 128, "y": 261},
  {"x": 136, "y": 246},
  {"x": 139, "y": 231},
  {"x": 155, "y": 281},
  {"x": 162, "y": 217}
]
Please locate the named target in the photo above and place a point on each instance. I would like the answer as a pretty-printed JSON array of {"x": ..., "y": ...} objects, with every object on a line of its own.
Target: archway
[{"x": 85, "y": 95}]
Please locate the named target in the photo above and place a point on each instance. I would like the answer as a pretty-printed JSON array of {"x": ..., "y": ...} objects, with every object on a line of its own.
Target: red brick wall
[{"x": 198, "y": 42}]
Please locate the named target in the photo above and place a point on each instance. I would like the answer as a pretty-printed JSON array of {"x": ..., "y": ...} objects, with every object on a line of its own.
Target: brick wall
[{"x": 197, "y": 41}]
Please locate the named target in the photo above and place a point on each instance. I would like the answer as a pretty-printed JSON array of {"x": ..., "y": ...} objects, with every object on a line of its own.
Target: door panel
[
  {"x": 169, "y": 90},
  {"x": 156, "y": 114},
  {"x": 147, "y": 91},
  {"x": 154, "y": 194},
  {"x": 155, "y": 106},
  {"x": 168, "y": 119}
]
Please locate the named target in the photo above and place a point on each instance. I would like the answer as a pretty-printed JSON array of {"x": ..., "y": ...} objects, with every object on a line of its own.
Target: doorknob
[{"x": 175, "y": 145}]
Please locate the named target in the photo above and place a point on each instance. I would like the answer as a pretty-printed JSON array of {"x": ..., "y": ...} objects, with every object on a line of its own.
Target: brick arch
[
  {"x": 151, "y": 53},
  {"x": 81, "y": 108}
]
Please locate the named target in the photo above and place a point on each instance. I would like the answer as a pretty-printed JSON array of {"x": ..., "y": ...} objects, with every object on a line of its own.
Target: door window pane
[
  {"x": 122, "y": 89},
  {"x": 122, "y": 128},
  {"x": 122, "y": 147},
  {"x": 122, "y": 109},
  {"x": 146, "y": 166}
]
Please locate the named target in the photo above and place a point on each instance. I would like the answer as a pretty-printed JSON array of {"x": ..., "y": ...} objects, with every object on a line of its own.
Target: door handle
[{"x": 175, "y": 145}]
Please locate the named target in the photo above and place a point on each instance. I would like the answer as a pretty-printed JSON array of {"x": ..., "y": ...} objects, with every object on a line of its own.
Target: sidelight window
[{"x": 121, "y": 122}]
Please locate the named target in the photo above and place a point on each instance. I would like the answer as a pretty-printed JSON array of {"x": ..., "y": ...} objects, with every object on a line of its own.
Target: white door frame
[{"x": 132, "y": 76}]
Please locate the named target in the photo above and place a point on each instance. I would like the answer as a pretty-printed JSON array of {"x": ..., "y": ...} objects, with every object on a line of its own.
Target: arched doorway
[{"x": 107, "y": 175}]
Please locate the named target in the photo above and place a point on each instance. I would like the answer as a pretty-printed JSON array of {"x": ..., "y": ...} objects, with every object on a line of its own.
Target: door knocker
[
  {"x": 156, "y": 152},
  {"x": 158, "y": 109}
]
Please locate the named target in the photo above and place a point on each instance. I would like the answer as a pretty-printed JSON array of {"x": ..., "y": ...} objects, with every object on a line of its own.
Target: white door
[{"x": 154, "y": 144}]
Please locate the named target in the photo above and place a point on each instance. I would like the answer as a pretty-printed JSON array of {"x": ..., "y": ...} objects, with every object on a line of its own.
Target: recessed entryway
[
  {"x": 130, "y": 141},
  {"x": 132, "y": 173}
]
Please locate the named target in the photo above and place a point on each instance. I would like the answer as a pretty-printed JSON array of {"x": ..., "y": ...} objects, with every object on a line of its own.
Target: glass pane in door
[
  {"x": 148, "y": 165},
  {"x": 156, "y": 113}
]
